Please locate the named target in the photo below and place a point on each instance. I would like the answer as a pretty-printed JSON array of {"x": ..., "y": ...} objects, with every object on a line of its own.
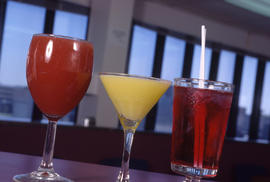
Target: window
[
  {"x": 246, "y": 96},
  {"x": 142, "y": 51},
  {"x": 142, "y": 54},
  {"x": 226, "y": 66},
  {"x": 70, "y": 24},
  {"x": 21, "y": 21},
  {"x": 264, "y": 126},
  {"x": 181, "y": 56},
  {"x": 173, "y": 60}
]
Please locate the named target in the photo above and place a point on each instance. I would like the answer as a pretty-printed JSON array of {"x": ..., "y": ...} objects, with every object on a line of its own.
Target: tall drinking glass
[
  {"x": 200, "y": 113},
  {"x": 133, "y": 97},
  {"x": 58, "y": 74}
]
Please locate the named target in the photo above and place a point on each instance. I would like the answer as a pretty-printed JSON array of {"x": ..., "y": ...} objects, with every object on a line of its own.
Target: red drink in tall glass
[
  {"x": 60, "y": 74},
  {"x": 199, "y": 124}
]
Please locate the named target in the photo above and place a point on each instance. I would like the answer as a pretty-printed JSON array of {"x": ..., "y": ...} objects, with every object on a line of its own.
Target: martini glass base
[{"x": 40, "y": 176}]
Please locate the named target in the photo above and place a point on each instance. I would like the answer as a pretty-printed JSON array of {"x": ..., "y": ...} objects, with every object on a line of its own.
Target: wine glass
[
  {"x": 133, "y": 97},
  {"x": 58, "y": 72},
  {"x": 200, "y": 112}
]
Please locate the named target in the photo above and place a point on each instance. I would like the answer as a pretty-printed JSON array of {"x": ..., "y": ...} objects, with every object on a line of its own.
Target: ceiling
[{"x": 221, "y": 11}]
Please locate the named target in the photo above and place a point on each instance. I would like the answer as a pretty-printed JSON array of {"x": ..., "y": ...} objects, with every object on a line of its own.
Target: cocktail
[
  {"x": 58, "y": 74},
  {"x": 133, "y": 97},
  {"x": 200, "y": 113}
]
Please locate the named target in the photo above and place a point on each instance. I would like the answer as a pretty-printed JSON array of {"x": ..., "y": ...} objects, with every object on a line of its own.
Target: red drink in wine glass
[{"x": 58, "y": 74}]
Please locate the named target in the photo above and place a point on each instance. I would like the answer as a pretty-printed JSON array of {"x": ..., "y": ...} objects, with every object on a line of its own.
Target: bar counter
[{"x": 12, "y": 164}]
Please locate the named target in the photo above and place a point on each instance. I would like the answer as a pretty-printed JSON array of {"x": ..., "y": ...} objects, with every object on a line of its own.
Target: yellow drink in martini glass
[{"x": 133, "y": 97}]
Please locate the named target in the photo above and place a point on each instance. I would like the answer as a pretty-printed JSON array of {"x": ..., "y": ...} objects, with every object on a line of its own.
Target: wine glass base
[
  {"x": 122, "y": 178},
  {"x": 40, "y": 176},
  {"x": 193, "y": 171}
]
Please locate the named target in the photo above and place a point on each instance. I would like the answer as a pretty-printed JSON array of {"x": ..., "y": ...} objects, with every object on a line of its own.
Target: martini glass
[
  {"x": 58, "y": 74},
  {"x": 200, "y": 112},
  {"x": 133, "y": 97}
]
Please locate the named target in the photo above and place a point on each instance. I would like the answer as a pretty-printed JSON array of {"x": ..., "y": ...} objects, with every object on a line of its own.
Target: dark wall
[{"x": 151, "y": 151}]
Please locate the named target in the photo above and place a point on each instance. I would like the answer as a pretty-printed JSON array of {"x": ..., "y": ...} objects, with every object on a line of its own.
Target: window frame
[{"x": 216, "y": 50}]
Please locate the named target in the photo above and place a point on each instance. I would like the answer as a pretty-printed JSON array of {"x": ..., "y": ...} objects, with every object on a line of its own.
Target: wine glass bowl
[
  {"x": 58, "y": 72},
  {"x": 200, "y": 112}
]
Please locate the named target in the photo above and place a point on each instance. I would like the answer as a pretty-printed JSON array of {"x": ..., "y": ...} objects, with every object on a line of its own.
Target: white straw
[{"x": 202, "y": 62}]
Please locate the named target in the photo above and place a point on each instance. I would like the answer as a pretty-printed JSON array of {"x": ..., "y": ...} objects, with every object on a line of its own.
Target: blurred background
[{"x": 159, "y": 38}]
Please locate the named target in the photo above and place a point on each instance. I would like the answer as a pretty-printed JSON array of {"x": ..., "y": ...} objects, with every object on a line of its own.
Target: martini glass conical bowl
[{"x": 133, "y": 97}]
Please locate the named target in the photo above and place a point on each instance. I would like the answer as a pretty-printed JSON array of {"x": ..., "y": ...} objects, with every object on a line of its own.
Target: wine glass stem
[
  {"x": 124, "y": 172},
  {"x": 46, "y": 163}
]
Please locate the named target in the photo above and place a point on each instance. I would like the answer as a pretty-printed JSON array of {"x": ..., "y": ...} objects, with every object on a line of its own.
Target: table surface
[{"x": 12, "y": 164}]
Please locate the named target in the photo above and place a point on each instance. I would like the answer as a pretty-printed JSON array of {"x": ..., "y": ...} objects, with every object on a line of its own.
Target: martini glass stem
[
  {"x": 128, "y": 139},
  {"x": 48, "y": 150}
]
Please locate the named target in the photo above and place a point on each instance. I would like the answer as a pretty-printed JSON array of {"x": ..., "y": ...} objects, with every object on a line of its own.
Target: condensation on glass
[
  {"x": 21, "y": 22},
  {"x": 142, "y": 54},
  {"x": 172, "y": 66}
]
